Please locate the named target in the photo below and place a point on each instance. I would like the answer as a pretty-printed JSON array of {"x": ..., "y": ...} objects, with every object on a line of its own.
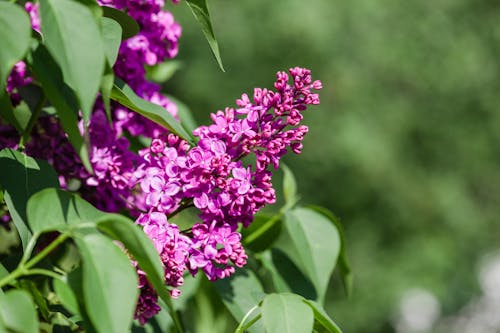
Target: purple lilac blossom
[
  {"x": 171, "y": 175},
  {"x": 213, "y": 178}
]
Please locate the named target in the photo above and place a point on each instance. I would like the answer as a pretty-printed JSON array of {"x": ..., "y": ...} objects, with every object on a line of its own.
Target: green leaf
[
  {"x": 17, "y": 117},
  {"x": 15, "y": 34},
  {"x": 23, "y": 176},
  {"x": 200, "y": 11},
  {"x": 107, "y": 82},
  {"x": 124, "y": 95},
  {"x": 111, "y": 34},
  {"x": 262, "y": 232},
  {"x": 62, "y": 98},
  {"x": 73, "y": 37},
  {"x": 322, "y": 318},
  {"x": 184, "y": 113},
  {"x": 17, "y": 312},
  {"x": 66, "y": 295},
  {"x": 3, "y": 271},
  {"x": 111, "y": 37},
  {"x": 139, "y": 246},
  {"x": 314, "y": 246},
  {"x": 240, "y": 292},
  {"x": 343, "y": 263},
  {"x": 286, "y": 313},
  {"x": 163, "y": 71},
  {"x": 289, "y": 186},
  {"x": 109, "y": 283},
  {"x": 75, "y": 281},
  {"x": 53, "y": 209},
  {"x": 285, "y": 275},
  {"x": 129, "y": 25}
]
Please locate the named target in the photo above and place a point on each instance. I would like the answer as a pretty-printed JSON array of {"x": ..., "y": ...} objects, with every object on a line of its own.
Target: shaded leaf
[
  {"x": 262, "y": 232},
  {"x": 107, "y": 83},
  {"x": 17, "y": 117},
  {"x": 73, "y": 37},
  {"x": 200, "y": 11},
  {"x": 23, "y": 176},
  {"x": 17, "y": 312},
  {"x": 285, "y": 275},
  {"x": 129, "y": 25},
  {"x": 62, "y": 98},
  {"x": 124, "y": 95},
  {"x": 314, "y": 246},
  {"x": 322, "y": 318},
  {"x": 286, "y": 313},
  {"x": 15, "y": 34},
  {"x": 240, "y": 292},
  {"x": 109, "y": 283}
]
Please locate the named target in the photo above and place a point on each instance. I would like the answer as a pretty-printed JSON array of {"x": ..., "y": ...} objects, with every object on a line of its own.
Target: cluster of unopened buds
[{"x": 170, "y": 175}]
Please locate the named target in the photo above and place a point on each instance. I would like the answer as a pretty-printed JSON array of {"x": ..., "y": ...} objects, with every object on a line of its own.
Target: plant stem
[
  {"x": 24, "y": 268},
  {"x": 250, "y": 323},
  {"x": 175, "y": 317},
  {"x": 41, "y": 271},
  {"x": 241, "y": 328},
  {"x": 58, "y": 241}
]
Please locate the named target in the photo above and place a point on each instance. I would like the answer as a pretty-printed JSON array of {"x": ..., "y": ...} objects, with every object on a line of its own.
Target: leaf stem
[
  {"x": 241, "y": 328},
  {"x": 49, "y": 248},
  {"x": 250, "y": 323},
  {"x": 24, "y": 268},
  {"x": 41, "y": 271}
]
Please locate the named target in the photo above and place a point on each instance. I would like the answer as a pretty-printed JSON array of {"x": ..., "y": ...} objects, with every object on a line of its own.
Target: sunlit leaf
[
  {"x": 15, "y": 34},
  {"x": 139, "y": 246},
  {"x": 124, "y": 95},
  {"x": 53, "y": 209},
  {"x": 286, "y": 313},
  {"x": 343, "y": 263},
  {"x": 66, "y": 295},
  {"x": 200, "y": 11},
  {"x": 289, "y": 186},
  {"x": 111, "y": 36},
  {"x": 109, "y": 283},
  {"x": 313, "y": 245},
  {"x": 73, "y": 37}
]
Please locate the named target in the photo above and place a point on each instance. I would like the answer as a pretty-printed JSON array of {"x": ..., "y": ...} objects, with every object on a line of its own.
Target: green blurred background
[{"x": 404, "y": 148}]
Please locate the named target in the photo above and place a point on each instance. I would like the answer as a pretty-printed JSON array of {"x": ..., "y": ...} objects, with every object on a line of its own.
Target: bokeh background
[{"x": 405, "y": 147}]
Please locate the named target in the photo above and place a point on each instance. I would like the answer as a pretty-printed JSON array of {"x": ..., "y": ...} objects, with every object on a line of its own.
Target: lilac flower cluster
[{"x": 215, "y": 177}]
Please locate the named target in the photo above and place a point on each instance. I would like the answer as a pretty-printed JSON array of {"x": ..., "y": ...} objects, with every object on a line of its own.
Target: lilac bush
[{"x": 224, "y": 173}]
